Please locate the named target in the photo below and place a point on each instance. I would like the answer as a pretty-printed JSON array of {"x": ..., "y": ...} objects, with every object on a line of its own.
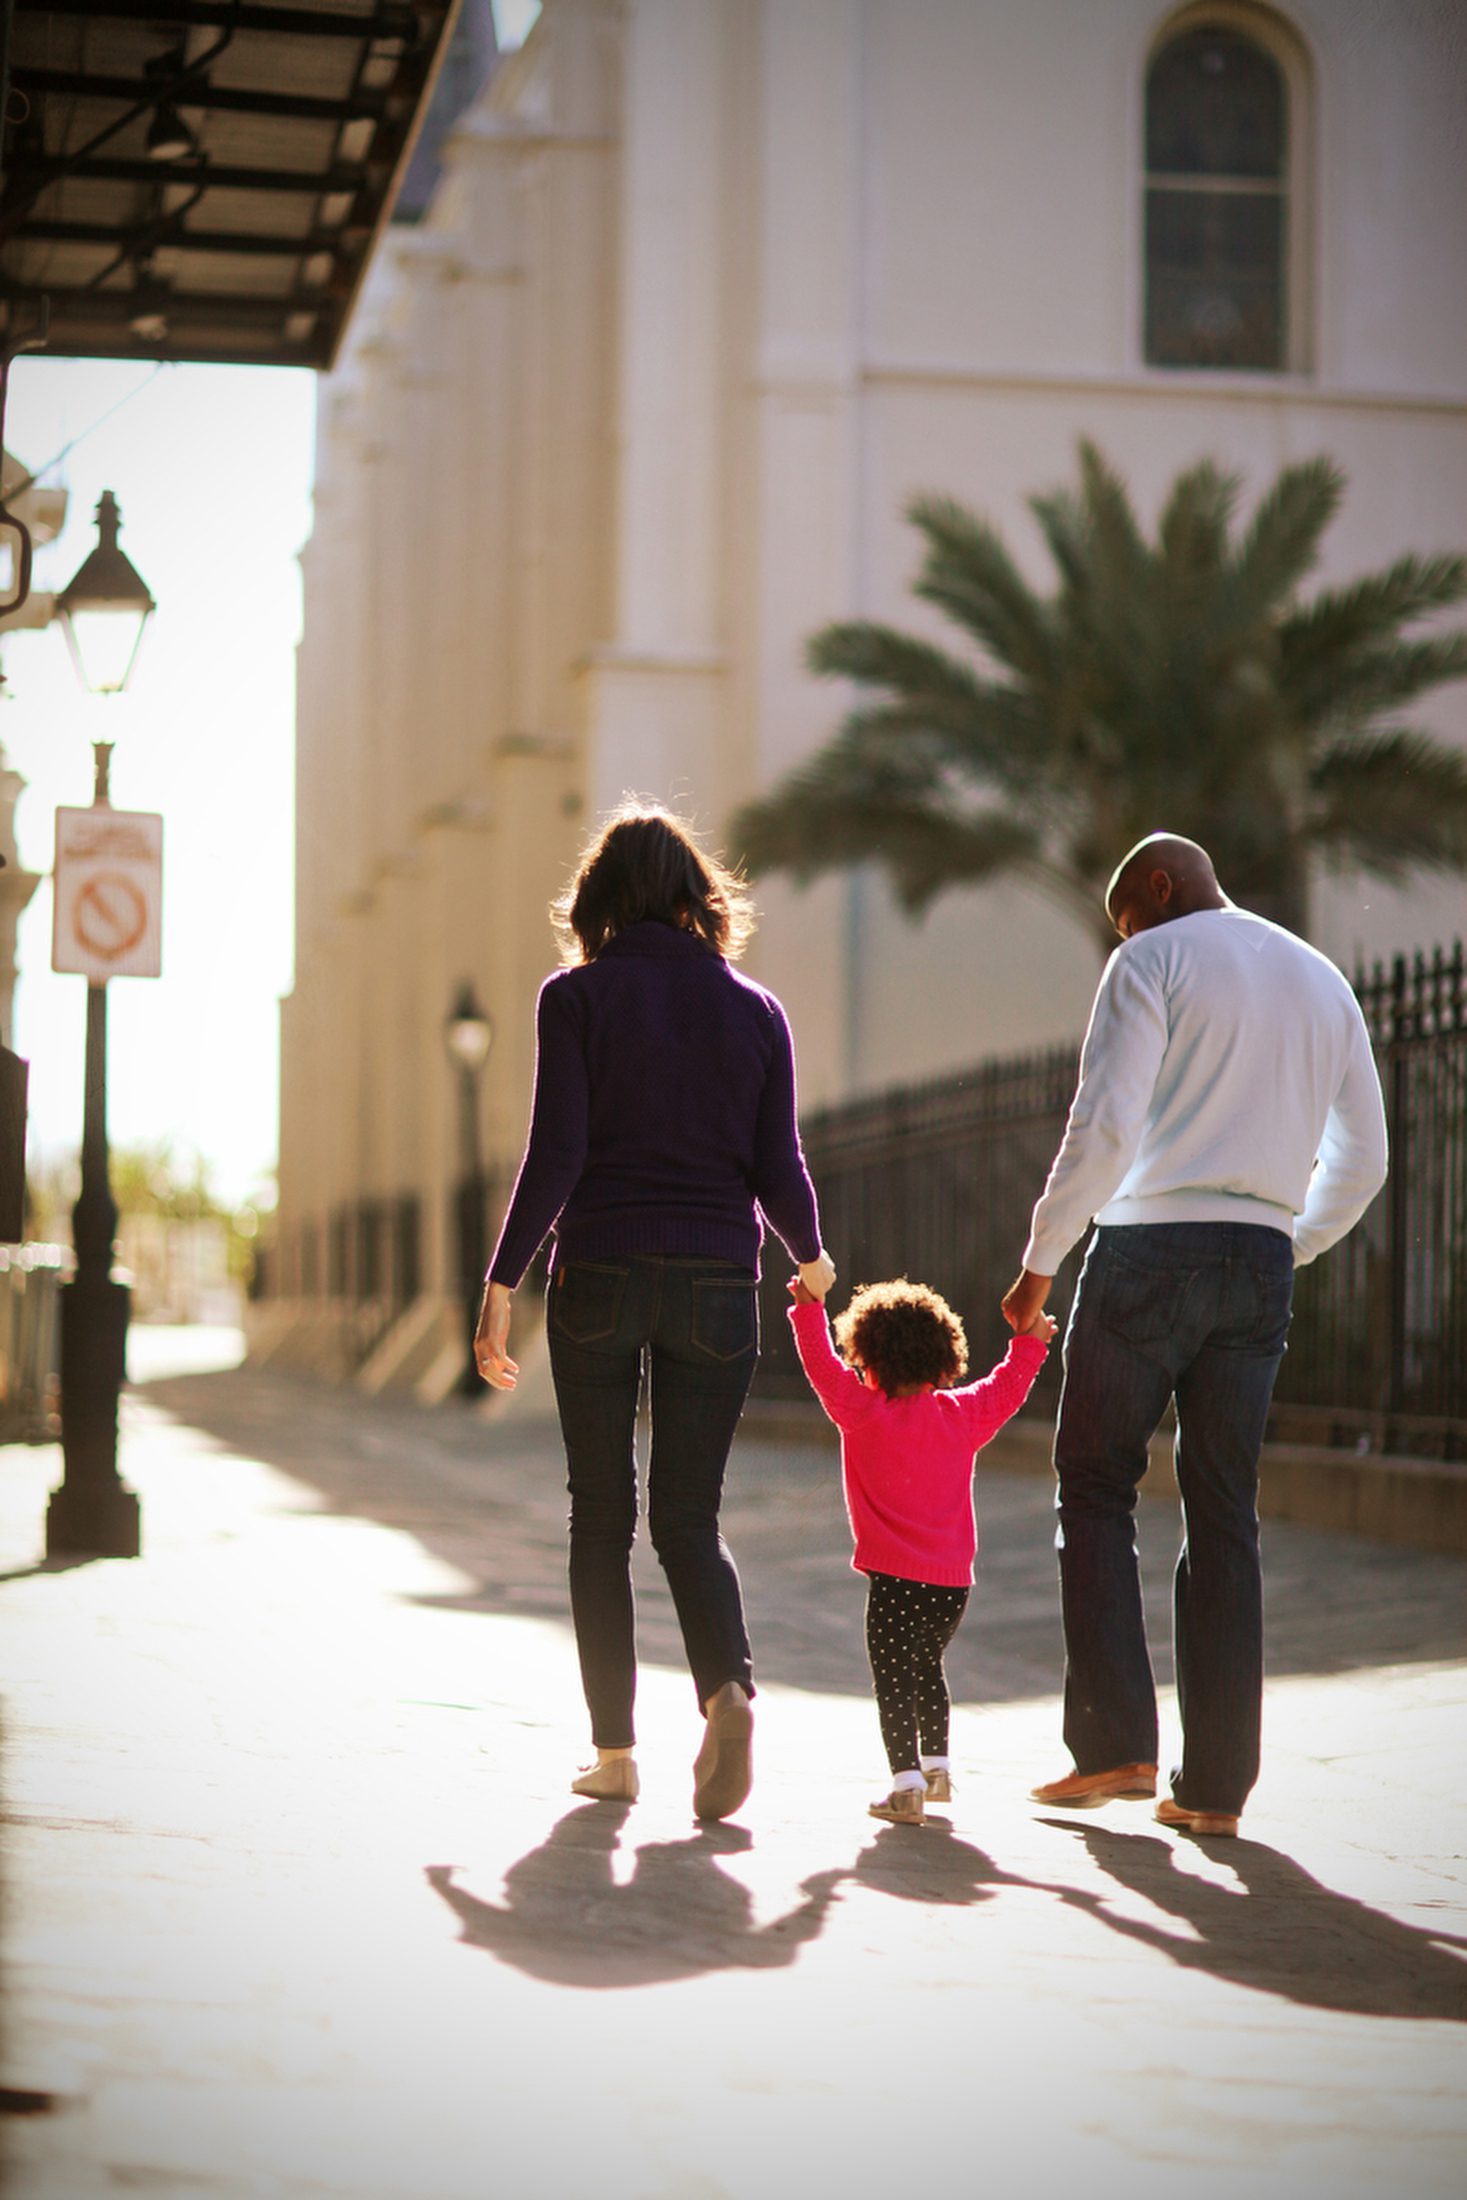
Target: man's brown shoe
[
  {"x": 1182, "y": 1820},
  {"x": 1088, "y": 1790}
]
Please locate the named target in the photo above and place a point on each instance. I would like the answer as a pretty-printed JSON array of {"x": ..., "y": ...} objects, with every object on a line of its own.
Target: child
[{"x": 908, "y": 1437}]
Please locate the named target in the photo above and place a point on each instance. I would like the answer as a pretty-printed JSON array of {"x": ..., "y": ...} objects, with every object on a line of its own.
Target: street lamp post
[
  {"x": 468, "y": 1035},
  {"x": 103, "y": 613}
]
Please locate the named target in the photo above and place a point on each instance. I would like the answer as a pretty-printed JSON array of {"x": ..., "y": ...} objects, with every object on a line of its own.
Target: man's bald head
[{"x": 1163, "y": 877}]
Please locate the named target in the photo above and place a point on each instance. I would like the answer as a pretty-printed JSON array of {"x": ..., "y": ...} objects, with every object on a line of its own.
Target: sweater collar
[{"x": 651, "y": 938}]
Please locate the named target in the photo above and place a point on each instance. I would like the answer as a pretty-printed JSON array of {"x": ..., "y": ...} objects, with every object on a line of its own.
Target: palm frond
[
  {"x": 1392, "y": 802},
  {"x": 809, "y": 826},
  {"x": 925, "y": 851},
  {"x": 1178, "y": 682},
  {"x": 1062, "y": 523},
  {"x": 1120, "y": 548},
  {"x": 1349, "y": 691},
  {"x": 995, "y": 742},
  {"x": 969, "y": 574},
  {"x": 882, "y": 656},
  {"x": 987, "y": 729},
  {"x": 1340, "y": 622},
  {"x": 1193, "y": 531},
  {"x": 1281, "y": 543}
]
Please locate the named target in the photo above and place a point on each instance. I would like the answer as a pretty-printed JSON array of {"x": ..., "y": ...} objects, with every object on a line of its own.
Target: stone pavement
[{"x": 298, "y": 1904}]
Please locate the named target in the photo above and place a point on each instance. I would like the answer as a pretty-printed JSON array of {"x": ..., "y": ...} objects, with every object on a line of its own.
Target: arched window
[{"x": 1219, "y": 223}]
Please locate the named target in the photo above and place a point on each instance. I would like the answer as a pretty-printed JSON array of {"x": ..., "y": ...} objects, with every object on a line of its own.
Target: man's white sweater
[{"x": 1226, "y": 1077}]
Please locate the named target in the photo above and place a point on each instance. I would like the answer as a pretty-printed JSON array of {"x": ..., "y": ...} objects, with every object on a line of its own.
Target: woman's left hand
[{"x": 491, "y": 1338}]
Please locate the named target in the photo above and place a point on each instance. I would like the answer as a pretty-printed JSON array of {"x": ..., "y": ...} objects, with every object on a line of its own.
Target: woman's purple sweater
[{"x": 664, "y": 1113}]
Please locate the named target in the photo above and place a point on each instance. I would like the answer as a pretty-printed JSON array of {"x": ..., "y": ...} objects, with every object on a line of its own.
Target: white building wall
[{"x": 1002, "y": 285}]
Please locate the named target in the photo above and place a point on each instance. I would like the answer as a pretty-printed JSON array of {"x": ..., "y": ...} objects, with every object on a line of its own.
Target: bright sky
[
  {"x": 212, "y": 468},
  {"x": 513, "y": 20}
]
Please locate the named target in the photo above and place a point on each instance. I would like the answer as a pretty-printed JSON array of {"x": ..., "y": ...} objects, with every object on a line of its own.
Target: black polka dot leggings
[{"x": 909, "y": 1625}]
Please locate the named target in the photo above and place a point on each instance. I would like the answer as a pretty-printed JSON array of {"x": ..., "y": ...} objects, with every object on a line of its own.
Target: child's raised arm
[
  {"x": 839, "y": 1388},
  {"x": 998, "y": 1397}
]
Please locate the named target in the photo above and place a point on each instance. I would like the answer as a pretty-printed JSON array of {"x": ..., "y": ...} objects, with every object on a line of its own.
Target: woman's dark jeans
[
  {"x": 1198, "y": 1311},
  {"x": 693, "y": 1325}
]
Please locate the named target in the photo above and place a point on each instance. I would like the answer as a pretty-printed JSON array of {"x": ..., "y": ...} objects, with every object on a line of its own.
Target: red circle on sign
[{"x": 110, "y": 915}]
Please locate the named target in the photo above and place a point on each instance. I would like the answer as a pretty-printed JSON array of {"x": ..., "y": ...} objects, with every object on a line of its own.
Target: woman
[{"x": 663, "y": 1128}]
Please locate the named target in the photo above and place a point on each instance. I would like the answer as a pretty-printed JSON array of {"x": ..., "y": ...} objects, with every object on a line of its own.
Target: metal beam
[
  {"x": 344, "y": 176},
  {"x": 162, "y": 238},
  {"x": 201, "y": 347},
  {"x": 363, "y": 106},
  {"x": 181, "y": 308},
  {"x": 390, "y": 20}
]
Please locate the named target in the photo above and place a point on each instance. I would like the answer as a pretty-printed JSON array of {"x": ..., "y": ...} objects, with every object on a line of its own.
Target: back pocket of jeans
[
  {"x": 585, "y": 1301},
  {"x": 725, "y": 1317},
  {"x": 1141, "y": 1304},
  {"x": 1273, "y": 1287}
]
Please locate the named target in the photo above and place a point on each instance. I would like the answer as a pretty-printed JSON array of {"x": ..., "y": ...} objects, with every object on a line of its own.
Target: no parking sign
[{"x": 108, "y": 903}]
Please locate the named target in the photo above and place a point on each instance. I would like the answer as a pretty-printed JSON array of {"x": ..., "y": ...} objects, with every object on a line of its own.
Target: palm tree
[{"x": 1179, "y": 686}]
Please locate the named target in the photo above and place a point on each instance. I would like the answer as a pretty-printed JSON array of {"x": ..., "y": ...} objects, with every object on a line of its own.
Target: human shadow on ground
[
  {"x": 566, "y": 1918},
  {"x": 1279, "y": 1930},
  {"x": 941, "y": 1869}
]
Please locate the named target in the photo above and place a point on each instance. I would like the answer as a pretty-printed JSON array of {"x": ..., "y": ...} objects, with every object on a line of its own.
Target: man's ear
[{"x": 1160, "y": 883}]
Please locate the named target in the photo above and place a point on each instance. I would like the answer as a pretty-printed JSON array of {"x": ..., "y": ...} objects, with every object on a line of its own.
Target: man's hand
[
  {"x": 818, "y": 1275},
  {"x": 491, "y": 1338},
  {"x": 1024, "y": 1301}
]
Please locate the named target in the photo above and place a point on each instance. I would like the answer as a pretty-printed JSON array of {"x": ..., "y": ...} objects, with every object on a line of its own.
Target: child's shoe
[
  {"x": 939, "y": 1784},
  {"x": 902, "y": 1807}
]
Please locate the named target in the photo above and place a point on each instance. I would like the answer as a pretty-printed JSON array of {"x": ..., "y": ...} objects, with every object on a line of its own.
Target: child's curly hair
[{"x": 904, "y": 1334}]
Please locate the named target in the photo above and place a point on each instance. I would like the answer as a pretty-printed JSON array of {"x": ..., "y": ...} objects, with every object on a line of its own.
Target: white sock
[
  {"x": 900, "y": 1780},
  {"x": 935, "y": 1764}
]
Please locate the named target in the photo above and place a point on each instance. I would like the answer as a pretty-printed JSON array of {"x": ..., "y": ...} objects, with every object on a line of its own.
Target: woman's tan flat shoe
[
  {"x": 615, "y": 1781},
  {"x": 723, "y": 1770}
]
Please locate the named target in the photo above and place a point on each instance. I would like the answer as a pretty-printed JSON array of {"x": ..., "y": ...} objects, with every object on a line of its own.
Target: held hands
[
  {"x": 1023, "y": 1307},
  {"x": 814, "y": 1279},
  {"x": 491, "y": 1338}
]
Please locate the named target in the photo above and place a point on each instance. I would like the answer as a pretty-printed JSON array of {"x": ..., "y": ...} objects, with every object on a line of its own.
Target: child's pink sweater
[{"x": 908, "y": 1462}]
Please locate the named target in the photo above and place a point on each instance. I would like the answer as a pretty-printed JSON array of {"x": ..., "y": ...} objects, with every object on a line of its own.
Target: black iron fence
[
  {"x": 1378, "y": 1353},
  {"x": 937, "y": 1181}
]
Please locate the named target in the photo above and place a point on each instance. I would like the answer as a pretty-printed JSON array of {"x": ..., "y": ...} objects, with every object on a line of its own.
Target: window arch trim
[{"x": 1280, "y": 38}]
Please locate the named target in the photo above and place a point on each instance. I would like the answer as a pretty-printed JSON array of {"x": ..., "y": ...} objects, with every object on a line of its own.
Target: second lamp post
[{"x": 468, "y": 1035}]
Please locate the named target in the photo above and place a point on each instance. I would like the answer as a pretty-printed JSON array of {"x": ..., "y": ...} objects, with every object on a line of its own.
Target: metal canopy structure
[{"x": 199, "y": 179}]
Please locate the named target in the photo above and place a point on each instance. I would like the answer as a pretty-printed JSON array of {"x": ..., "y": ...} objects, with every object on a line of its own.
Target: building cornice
[
  {"x": 679, "y": 663},
  {"x": 1256, "y": 389}
]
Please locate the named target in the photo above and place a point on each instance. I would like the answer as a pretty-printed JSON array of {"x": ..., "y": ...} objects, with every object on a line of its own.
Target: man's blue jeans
[
  {"x": 1199, "y": 1312},
  {"x": 692, "y": 1328}
]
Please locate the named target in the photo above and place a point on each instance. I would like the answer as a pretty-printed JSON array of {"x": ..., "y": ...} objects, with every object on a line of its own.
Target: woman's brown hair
[{"x": 645, "y": 865}]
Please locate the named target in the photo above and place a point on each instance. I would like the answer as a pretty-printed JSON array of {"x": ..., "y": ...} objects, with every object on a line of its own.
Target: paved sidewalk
[{"x": 297, "y": 1901}]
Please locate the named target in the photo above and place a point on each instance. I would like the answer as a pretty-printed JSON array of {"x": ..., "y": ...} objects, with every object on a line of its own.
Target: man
[{"x": 1227, "y": 1128}]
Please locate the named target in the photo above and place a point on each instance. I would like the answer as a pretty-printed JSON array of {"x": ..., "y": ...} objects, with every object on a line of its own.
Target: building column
[
  {"x": 802, "y": 498},
  {"x": 654, "y": 696}
]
